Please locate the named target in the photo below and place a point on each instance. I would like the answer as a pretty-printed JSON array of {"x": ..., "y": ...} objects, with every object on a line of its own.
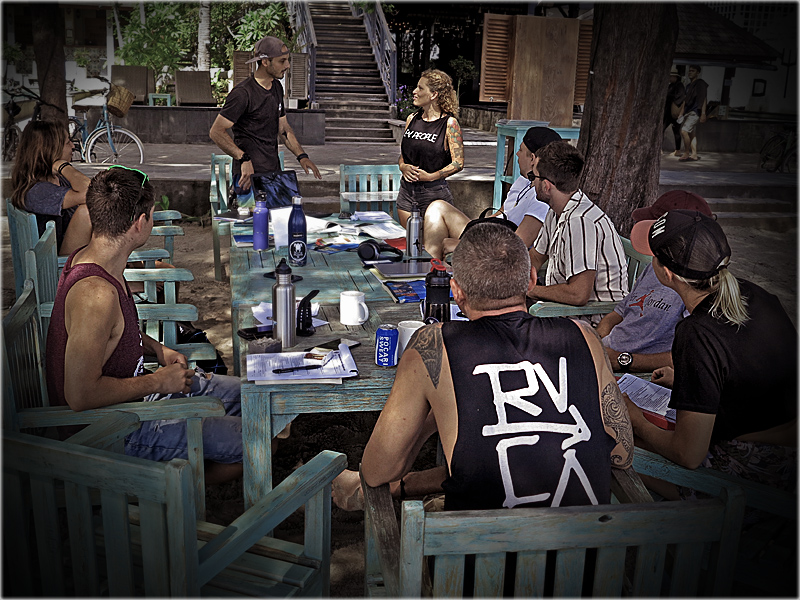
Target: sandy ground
[{"x": 767, "y": 258}]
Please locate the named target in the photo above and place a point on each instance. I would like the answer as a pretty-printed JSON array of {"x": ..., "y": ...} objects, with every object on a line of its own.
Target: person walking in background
[
  {"x": 432, "y": 148},
  {"x": 694, "y": 111},
  {"x": 255, "y": 112},
  {"x": 44, "y": 183},
  {"x": 676, "y": 94}
]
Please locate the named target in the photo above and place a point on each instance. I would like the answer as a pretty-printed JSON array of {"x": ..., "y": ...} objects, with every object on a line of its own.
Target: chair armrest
[
  {"x": 166, "y": 230},
  {"x": 261, "y": 518},
  {"x": 556, "y": 309},
  {"x": 158, "y": 275},
  {"x": 711, "y": 481},
  {"x": 167, "y": 312},
  {"x": 166, "y": 215},
  {"x": 111, "y": 428},
  {"x": 145, "y": 255},
  {"x": 628, "y": 487},
  {"x": 383, "y": 532},
  {"x": 173, "y": 408}
]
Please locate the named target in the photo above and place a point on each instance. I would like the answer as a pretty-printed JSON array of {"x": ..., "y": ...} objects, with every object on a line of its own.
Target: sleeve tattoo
[
  {"x": 615, "y": 416},
  {"x": 427, "y": 341}
]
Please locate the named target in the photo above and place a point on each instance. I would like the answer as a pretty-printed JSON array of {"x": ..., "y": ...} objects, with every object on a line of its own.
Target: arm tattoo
[
  {"x": 616, "y": 417},
  {"x": 427, "y": 341}
]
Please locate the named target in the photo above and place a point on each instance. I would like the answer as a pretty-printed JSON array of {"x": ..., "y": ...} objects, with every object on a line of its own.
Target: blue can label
[{"x": 386, "y": 341}]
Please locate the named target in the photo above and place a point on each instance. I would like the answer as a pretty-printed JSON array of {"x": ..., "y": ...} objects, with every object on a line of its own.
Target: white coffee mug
[
  {"x": 352, "y": 309},
  {"x": 406, "y": 329}
]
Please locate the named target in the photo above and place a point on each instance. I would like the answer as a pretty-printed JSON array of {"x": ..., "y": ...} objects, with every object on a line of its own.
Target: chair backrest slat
[
  {"x": 448, "y": 576},
  {"x": 119, "y": 557},
  {"x": 81, "y": 533},
  {"x": 24, "y": 233},
  {"x": 41, "y": 266},
  {"x": 637, "y": 262},
  {"x": 372, "y": 179},
  {"x": 608, "y": 572},
  {"x": 490, "y": 570},
  {"x": 48, "y": 528}
]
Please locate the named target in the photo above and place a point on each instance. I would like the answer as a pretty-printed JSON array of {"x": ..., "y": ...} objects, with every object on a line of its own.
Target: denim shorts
[
  {"x": 423, "y": 195},
  {"x": 222, "y": 436}
]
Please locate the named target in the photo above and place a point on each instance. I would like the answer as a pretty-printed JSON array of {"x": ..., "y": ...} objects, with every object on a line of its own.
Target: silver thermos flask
[
  {"x": 413, "y": 226},
  {"x": 283, "y": 306}
]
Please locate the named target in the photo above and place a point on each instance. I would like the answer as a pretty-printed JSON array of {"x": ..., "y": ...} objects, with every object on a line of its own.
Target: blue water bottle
[
  {"x": 298, "y": 251},
  {"x": 261, "y": 223}
]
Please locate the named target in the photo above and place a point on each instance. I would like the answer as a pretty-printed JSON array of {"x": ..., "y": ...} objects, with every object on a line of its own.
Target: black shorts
[{"x": 423, "y": 193}]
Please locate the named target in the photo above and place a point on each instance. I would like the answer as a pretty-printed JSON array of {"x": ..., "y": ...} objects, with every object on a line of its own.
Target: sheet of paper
[
  {"x": 371, "y": 215},
  {"x": 260, "y": 366},
  {"x": 647, "y": 395},
  {"x": 279, "y": 221},
  {"x": 383, "y": 231}
]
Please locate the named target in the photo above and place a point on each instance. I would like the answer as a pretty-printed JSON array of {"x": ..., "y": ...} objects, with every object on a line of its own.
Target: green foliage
[
  {"x": 12, "y": 53},
  {"x": 167, "y": 39},
  {"x": 462, "y": 70},
  {"x": 225, "y": 17},
  {"x": 369, "y": 7},
  {"x": 163, "y": 204},
  {"x": 219, "y": 87},
  {"x": 81, "y": 56},
  {"x": 405, "y": 102},
  {"x": 270, "y": 20}
]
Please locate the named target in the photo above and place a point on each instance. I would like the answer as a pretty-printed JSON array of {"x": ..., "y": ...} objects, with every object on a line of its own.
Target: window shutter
[
  {"x": 297, "y": 84},
  {"x": 496, "y": 57},
  {"x": 241, "y": 71},
  {"x": 582, "y": 64}
]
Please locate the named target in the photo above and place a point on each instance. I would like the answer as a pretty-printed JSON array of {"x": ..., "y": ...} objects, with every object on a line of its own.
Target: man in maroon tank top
[{"x": 95, "y": 350}]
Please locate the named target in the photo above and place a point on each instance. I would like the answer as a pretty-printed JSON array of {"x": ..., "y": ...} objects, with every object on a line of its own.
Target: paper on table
[
  {"x": 371, "y": 215},
  {"x": 383, "y": 231},
  {"x": 647, "y": 395},
  {"x": 260, "y": 366},
  {"x": 263, "y": 311},
  {"x": 279, "y": 218}
]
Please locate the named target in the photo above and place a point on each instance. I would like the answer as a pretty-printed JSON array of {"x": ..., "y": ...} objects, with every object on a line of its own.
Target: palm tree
[{"x": 204, "y": 36}]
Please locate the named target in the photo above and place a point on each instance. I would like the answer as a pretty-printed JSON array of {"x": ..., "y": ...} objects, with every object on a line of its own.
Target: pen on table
[{"x": 293, "y": 369}]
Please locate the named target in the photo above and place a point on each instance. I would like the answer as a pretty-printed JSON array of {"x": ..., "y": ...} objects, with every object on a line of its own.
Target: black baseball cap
[
  {"x": 687, "y": 242},
  {"x": 268, "y": 47},
  {"x": 539, "y": 137}
]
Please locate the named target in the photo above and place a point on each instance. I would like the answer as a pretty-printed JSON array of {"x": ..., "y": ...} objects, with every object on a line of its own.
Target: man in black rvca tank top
[{"x": 527, "y": 409}]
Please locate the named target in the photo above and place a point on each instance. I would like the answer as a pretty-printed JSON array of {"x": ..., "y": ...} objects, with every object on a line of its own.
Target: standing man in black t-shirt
[{"x": 255, "y": 112}]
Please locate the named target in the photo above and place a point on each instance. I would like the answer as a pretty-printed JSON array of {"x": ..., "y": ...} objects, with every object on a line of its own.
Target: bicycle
[
  {"x": 780, "y": 152},
  {"x": 106, "y": 143},
  {"x": 12, "y": 131}
]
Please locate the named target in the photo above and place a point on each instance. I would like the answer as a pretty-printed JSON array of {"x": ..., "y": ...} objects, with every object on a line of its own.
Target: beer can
[{"x": 386, "y": 342}]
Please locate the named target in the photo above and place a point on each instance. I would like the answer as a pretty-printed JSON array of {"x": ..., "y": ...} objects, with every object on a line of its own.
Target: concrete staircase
[
  {"x": 348, "y": 84},
  {"x": 771, "y": 215}
]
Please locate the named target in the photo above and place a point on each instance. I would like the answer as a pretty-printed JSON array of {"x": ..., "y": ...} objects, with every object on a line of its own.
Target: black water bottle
[
  {"x": 298, "y": 251},
  {"x": 437, "y": 292}
]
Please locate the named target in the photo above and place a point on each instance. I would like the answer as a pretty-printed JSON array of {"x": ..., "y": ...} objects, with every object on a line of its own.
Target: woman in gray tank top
[{"x": 432, "y": 148}]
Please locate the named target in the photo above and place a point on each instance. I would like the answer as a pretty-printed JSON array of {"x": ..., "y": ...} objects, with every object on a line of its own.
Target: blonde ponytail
[{"x": 728, "y": 302}]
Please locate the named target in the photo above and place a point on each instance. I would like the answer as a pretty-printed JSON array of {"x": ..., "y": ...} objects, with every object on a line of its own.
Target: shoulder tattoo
[
  {"x": 427, "y": 341},
  {"x": 615, "y": 416}
]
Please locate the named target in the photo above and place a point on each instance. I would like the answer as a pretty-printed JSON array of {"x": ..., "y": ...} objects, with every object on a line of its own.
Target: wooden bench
[
  {"x": 140, "y": 81},
  {"x": 369, "y": 187},
  {"x": 144, "y": 539},
  {"x": 636, "y": 263},
  {"x": 219, "y": 199},
  {"x": 567, "y": 551},
  {"x": 194, "y": 88}
]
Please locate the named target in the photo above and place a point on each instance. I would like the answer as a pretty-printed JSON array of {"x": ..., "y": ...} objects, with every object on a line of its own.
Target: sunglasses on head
[{"x": 145, "y": 178}]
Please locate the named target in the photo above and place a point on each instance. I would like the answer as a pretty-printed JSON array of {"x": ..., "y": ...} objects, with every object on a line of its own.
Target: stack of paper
[
  {"x": 301, "y": 367},
  {"x": 382, "y": 231},
  {"x": 371, "y": 215},
  {"x": 651, "y": 398}
]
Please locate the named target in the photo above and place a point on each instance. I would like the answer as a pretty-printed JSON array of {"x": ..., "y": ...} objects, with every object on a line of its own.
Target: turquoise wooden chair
[
  {"x": 221, "y": 186},
  {"x": 158, "y": 320},
  {"x": 26, "y": 405},
  {"x": 767, "y": 561},
  {"x": 636, "y": 262},
  {"x": 24, "y": 233},
  {"x": 550, "y": 546},
  {"x": 144, "y": 539},
  {"x": 369, "y": 187}
]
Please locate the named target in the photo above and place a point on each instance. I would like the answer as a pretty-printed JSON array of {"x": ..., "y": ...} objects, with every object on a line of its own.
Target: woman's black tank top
[{"x": 423, "y": 143}]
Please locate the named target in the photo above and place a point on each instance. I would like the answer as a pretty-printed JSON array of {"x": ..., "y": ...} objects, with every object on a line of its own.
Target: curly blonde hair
[{"x": 441, "y": 83}]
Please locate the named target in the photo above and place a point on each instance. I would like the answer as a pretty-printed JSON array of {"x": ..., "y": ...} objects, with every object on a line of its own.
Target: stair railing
[
  {"x": 383, "y": 47},
  {"x": 300, "y": 17}
]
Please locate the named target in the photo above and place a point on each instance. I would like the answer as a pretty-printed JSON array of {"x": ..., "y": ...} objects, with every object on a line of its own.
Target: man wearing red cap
[
  {"x": 255, "y": 112},
  {"x": 638, "y": 333}
]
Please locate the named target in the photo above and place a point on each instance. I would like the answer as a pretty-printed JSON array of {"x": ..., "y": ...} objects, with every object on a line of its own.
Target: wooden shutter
[
  {"x": 297, "y": 83},
  {"x": 582, "y": 64},
  {"x": 241, "y": 71},
  {"x": 496, "y": 58}
]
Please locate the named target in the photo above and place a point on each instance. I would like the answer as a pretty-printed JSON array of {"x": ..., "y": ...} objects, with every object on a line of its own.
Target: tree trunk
[
  {"x": 621, "y": 132},
  {"x": 204, "y": 36},
  {"x": 48, "y": 49}
]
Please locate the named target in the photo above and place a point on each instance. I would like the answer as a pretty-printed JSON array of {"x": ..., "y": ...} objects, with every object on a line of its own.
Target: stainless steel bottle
[
  {"x": 283, "y": 306},
  {"x": 413, "y": 226}
]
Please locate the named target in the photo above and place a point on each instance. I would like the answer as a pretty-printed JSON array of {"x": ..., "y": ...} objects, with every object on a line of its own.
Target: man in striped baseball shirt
[{"x": 587, "y": 260}]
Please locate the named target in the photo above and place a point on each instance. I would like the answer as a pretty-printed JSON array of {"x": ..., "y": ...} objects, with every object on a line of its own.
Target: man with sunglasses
[
  {"x": 587, "y": 261},
  {"x": 254, "y": 111},
  {"x": 95, "y": 350}
]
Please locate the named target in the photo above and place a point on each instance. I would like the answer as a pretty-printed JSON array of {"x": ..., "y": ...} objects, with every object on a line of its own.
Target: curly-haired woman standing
[{"x": 432, "y": 148}]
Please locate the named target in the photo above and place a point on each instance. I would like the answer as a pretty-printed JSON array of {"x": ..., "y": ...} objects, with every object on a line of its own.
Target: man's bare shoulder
[
  {"x": 429, "y": 344},
  {"x": 92, "y": 294}
]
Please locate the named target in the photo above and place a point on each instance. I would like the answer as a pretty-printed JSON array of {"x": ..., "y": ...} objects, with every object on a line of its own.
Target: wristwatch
[
  {"x": 245, "y": 158},
  {"x": 624, "y": 359}
]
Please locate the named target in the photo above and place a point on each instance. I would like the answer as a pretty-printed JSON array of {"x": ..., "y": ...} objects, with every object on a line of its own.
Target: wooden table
[{"x": 267, "y": 409}]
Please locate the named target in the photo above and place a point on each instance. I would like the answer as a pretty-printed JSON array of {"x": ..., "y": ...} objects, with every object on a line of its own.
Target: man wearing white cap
[{"x": 255, "y": 112}]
